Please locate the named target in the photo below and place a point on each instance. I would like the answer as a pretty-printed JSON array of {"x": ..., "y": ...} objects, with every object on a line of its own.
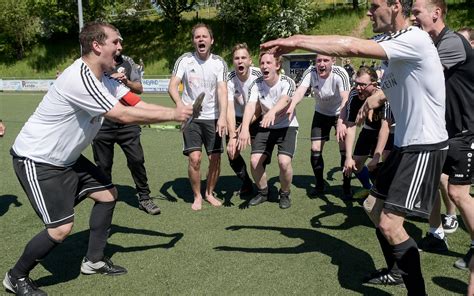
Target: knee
[
  {"x": 387, "y": 228},
  {"x": 195, "y": 162},
  {"x": 255, "y": 161},
  {"x": 284, "y": 164},
  {"x": 456, "y": 195},
  {"x": 61, "y": 232},
  {"x": 368, "y": 204}
]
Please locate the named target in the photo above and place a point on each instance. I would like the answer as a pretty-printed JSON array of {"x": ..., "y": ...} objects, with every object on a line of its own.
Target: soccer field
[{"x": 320, "y": 246}]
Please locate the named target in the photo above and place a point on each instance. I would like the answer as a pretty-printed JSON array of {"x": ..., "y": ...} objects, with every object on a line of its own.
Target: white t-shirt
[
  {"x": 69, "y": 116},
  {"x": 413, "y": 82},
  {"x": 268, "y": 97},
  {"x": 201, "y": 76},
  {"x": 327, "y": 92},
  {"x": 237, "y": 91}
]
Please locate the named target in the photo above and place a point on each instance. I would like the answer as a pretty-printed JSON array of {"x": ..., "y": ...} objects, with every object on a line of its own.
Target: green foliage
[
  {"x": 294, "y": 19},
  {"x": 172, "y": 9},
  {"x": 18, "y": 26}
]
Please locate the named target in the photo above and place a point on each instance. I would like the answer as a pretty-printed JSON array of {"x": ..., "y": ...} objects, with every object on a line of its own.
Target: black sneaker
[
  {"x": 23, "y": 286},
  {"x": 384, "y": 277},
  {"x": 463, "y": 263},
  {"x": 103, "y": 267},
  {"x": 148, "y": 206},
  {"x": 285, "y": 201},
  {"x": 432, "y": 244},
  {"x": 450, "y": 223},
  {"x": 259, "y": 198}
]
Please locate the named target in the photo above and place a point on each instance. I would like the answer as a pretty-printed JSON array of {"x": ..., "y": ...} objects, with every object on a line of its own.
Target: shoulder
[
  {"x": 185, "y": 56},
  {"x": 287, "y": 80},
  {"x": 340, "y": 73},
  {"x": 256, "y": 72},
  {"x": 218, "y": 59},
  {"x": 231, "y": 75}
]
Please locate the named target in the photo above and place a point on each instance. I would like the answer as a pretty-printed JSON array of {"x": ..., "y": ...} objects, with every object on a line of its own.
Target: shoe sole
[
  {"x": 7, "y": 284},
  {"x": 449, "y": 231},
  {"x": 148, "y": 212},
  {"x": 91, "y": 272}
]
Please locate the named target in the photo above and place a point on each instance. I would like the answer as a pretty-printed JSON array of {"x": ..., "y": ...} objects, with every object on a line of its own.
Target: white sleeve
[
  {"x": 408, "y": 45},
  {"x": 306, "y": 79},
  {"x": 230, "y": 90},
  {"x": 179, "y": 66}
]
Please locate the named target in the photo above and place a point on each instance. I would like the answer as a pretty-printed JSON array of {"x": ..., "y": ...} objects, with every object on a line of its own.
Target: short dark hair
[
  {"x": 441, "y": 4},
  {"x": 93, "y": 31},
  {"x": 202, "y": 25},
  {"x": 406, "y": 6},
  {"x": 369, "y": 71}
]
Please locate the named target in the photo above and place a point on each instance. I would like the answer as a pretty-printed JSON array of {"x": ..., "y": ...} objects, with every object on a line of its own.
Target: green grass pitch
[{"x": 319, "y": 246}]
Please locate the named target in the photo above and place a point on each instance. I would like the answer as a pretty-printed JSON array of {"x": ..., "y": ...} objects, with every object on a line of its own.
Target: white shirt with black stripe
[
  {"x": 327, "y": 92},
  {"x": 69, "y": 116},
  {"x": 201, "y": 76},
  {"x": 268, "y": 96},
  {"x": 237, "y": 90},
  {"x": 413, "y": 82}
]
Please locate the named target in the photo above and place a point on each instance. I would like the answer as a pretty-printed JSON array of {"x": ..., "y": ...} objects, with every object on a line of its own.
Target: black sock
[
  {"x": 387, "y": 252},
  {"x": 36, "y": 250},
  {"x": 240, "y": 168},
  {"x": 408, "y": 260},
  {"x": 99, "y": 222},
  {"x": 346, "y": 180},
  {"x": 317, "y": 163}
]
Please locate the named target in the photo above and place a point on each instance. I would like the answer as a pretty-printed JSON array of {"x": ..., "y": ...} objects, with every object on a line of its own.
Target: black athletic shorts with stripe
[
  {"x": 459, "y": 165},
  {"x": 266, "y": 139},
  {"x": 408, "y": 181},
  {"x": 54, "y": 191},
  {"x": 321, "y": 126},
  {"x": 199, "y": 132}
]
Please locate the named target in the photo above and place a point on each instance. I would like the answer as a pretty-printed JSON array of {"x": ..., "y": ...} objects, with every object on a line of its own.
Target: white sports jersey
[
  {"x": 201, "y": 76},
  {"x": 414, "y": 85},
  {"x": 268, "y": 97},
  {"x": 69, "y": 116},
  {"x": 327, "y": 92},
  {"x": 237, "y": 91}
]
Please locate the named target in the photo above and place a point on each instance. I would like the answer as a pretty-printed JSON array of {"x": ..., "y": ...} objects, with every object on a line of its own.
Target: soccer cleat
[
  {"x": 450, "y": 223},
  {"x": 432, "y": 244},
  {"x": 149, "y": 207},
  {"x": 384, "y": 277},
  {"x": 463, "y": 263},
  {"x": 105, "y": 266},
  {"x": 23, "y": 286},
  {"x": 258, "y": 199},
  {"x": 285, "y": 201}
]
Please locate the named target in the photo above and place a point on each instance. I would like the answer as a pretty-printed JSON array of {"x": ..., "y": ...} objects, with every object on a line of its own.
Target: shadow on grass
[
  {"x": 7, "y": 200},
  {"x": 353, "y": 263},
  {"x": 227, "y": 189},
  {"x": 450, "y": 284},
  {"x": 64, "y": 262}
]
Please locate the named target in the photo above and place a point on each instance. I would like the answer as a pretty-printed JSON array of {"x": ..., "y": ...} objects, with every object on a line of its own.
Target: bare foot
[
  {"x": 197, "y": 204},
  {"x": 213, "y": 201}
]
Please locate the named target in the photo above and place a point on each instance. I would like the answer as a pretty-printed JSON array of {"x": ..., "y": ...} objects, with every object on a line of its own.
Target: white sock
[{"x": 437, "y": 232}]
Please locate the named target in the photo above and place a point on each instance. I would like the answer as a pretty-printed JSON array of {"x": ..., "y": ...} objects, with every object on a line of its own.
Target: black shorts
[
  {"x": 459, "y": 165},
  {"x": 253, "y": 128},
  {"x": 199, "y": 132},
  {"x": 408, "y": 181},
  {"x": 367, "y": 142},
  {"x": 266, "y": 139},
  {"x": 321, "y": 126},
  {"x": 54, "y": 191}
]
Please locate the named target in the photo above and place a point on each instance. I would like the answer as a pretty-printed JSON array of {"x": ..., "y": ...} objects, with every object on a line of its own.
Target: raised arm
[{"x": 332, "y": 45}]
